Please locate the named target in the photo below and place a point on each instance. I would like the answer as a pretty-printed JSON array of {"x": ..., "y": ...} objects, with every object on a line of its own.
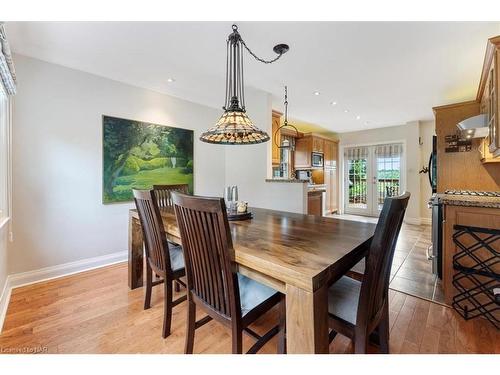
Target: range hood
[{"x": 474, "y": 127}]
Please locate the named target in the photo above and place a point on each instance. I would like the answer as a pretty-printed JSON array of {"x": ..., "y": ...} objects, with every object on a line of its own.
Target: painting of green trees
[{"x": 139, "y": 155}]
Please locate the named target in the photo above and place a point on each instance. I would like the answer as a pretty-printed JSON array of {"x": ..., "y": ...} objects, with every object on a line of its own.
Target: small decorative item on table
[{"x": 241, "y": 212}]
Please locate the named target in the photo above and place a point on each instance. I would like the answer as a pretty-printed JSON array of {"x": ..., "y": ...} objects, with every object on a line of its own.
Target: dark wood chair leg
[
  {"x": 282, "y": 326},
  {"x": 149, "y": 286},
  {"x": 383, "y": 330},
  {"x": 177, "y": 287},
  {"x": 360, "y": 343},
  {"x": 167, "y": 314},
  {"x": 190, "y": 327},
  {"x": 237, "y": 340}
]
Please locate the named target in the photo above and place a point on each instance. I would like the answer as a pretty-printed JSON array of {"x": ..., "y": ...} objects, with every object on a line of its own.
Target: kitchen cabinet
[
  {"x": 328, "y": 174},
  {"x": 472, "y": 216},
  {"x": 479, "y": 168},
  {"x": 317, "y": 144},
  {"x": 331, "y": 175},
  {"x": 302, "y": 154},
  {"x": 331, "y": 178},
  {"x": 330, "y": 154},
  {"x": 315, "y": 203},
  {"x": 489, "y": 101},
  {"x": 306, "y": 145},
  {"x": 276, "y": 123}
]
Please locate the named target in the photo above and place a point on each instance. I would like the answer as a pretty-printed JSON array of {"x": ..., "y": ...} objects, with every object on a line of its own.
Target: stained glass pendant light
[
  {"x": 286, "y": 143},
  {"x": 235, "y": 127}
]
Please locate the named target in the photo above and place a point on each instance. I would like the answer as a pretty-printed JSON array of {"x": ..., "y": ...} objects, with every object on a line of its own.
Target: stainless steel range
[{"x": 435, "y": 251}]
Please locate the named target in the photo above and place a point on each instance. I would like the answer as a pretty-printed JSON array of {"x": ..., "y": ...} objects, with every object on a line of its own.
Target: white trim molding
[
  {"x": 49, "y": 273},
  {"x": 4, "y": 302}
]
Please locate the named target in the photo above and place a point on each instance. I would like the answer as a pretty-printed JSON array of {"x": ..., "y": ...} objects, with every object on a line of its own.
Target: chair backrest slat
[
  {"x": 163, "y": 194},
  {"x": 208, "y": 250},
  {"x": 374, "y": 288},
  {"x": 155, "y": 239}
]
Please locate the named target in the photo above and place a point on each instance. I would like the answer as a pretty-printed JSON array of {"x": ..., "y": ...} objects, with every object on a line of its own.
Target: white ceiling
[{"x": 388, "y": 73}]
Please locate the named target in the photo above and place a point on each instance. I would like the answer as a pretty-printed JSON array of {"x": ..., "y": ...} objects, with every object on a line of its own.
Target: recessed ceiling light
[
  {"x": 333, "y": 103},
  {"x": 358, "y": 117},
  {"x": 346, "y": 110},
  {"x": 316, "y": 93},
  {"x": 170, "y": 80}
]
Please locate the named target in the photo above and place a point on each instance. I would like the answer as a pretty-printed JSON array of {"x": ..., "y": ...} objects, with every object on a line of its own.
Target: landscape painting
[{"x": 139, "y": 155}]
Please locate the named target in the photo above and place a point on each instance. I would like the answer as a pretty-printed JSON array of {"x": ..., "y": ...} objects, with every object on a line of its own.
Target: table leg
[
  {"x": 306, "y": 321},
  {"x": 135, "y": 253}
]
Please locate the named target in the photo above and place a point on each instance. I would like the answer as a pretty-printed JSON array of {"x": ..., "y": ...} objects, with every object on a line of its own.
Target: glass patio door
[
  {"x": 371, "y": 173},
  {"x": 388, "y": 173},
  {"x": 357, "y": 189}
]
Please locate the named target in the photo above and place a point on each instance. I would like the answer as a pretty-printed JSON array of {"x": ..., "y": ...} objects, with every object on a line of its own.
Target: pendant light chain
[
  {"x": 258, "y": 58},
  {"x": 286, "y": 106},
  {"x": 234, "y": 126}
]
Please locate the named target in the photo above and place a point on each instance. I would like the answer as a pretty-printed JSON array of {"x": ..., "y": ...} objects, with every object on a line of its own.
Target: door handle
[{"x": 430, "y": 256}]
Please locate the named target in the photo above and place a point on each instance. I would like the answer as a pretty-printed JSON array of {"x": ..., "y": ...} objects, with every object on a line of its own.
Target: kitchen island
[{"x": 464, "y": 217}]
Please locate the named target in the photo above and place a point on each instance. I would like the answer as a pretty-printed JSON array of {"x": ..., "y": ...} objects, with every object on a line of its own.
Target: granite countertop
[
  {"x": 287, "y": 180},
  {"x": 316, "y": 191},
  {"x": 471, "y": 201},
  {"x": 316, "y": 187}
]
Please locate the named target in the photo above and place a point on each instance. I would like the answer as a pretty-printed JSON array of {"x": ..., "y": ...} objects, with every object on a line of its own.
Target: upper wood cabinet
[
  {"x": 488, "y": 96},
  {"x": 302, "y": 154},
  {"x": 317, "y": 144},
  {"x": 310, "y": 143},
  {"x": 330, "y": 154},
  {"x": 275, "y": 137}
]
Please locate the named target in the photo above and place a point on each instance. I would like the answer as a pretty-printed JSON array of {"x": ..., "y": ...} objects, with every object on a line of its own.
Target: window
[
  {"x": 372, "y": 173},
  {"x": 4, "y": 157}
]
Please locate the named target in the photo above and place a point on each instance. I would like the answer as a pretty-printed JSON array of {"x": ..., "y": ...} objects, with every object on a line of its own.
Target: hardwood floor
[
  {"x": 411, "y": 272},
  {"x": 95, "y": 312}
]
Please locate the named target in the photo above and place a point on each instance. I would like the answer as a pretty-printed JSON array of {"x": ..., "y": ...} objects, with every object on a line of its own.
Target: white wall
[
  {"x": 57, "y": 158},
  {"x": 249, "y": 166},
  {"x": 409, "y": 133},
  {"x": 427, "y": 130},
  {"x": 3, "y": 262}
]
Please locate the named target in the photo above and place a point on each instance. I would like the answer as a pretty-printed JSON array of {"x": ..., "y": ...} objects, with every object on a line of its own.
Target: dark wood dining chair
[
  {"x": 359, "y": 308},
  {"x": 163, "y": 258},
  {"x": 164, "y": 200},
  {"x": 229, "y": 297},
  {"x": 163, "y": 194}
]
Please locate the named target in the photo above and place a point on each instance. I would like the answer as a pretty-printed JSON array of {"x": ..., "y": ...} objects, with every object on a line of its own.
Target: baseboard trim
[
  {"x": 48, "y": 273},
  {"x": 4, "y": 302}
]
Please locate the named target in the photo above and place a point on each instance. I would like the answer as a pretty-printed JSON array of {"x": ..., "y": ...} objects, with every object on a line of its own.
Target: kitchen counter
[
  {"x": 471, "y": 201},
  {"x": 467, "y": 211},
  {"x": 287, "y": 180}
]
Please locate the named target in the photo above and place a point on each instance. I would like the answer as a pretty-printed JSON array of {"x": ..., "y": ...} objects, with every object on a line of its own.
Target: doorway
[{"x": 371, "y": 173}]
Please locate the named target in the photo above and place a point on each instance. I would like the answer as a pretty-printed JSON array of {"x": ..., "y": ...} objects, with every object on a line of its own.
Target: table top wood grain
[{"x": 296, "y": 249}]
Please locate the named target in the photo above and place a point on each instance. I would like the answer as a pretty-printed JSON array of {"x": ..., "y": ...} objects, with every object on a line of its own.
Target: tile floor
[{"x": 411, "y": 272}]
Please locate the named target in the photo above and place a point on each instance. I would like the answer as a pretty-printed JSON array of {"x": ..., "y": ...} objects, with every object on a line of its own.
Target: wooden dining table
[{"x": 298, "y": 255}]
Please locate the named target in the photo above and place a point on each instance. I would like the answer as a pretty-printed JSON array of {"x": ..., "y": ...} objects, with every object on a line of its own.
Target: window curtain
[
  {"x": 389, "y": 151},
  {"x": 7, "y": 70},
  {"x": 356, "y": 153}
]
